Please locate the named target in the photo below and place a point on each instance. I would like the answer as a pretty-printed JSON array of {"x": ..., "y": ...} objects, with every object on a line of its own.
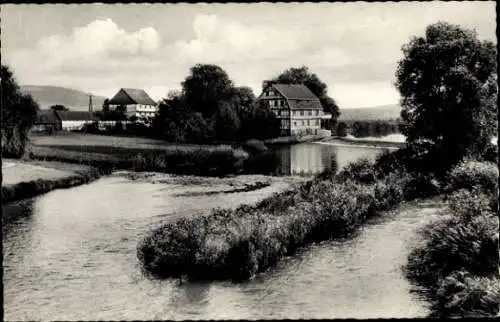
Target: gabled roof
[
  {"x": 76, "y": 116},
  {"x": 46, "y": 117},
  {"x": 131, "y": 96},
  {"x": 295, "y": 91},
  {"x": 296, "y": 104}
]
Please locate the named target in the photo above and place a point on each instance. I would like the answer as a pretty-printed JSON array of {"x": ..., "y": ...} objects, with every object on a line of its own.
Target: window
[
  {"x": 317, "y": 112},
  {"x": 310, "y": 113},
  {"x": 282, "y": 103},
  {"x": 295, "y": 123},
  {"x": 302, "y": 113}
]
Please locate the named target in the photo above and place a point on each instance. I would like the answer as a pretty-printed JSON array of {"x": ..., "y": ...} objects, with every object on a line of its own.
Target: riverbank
[
  {"x": 237, "y": 244},
  {"x": 25, "y": 179},
  {"x": 372, "y": 142},
  {"x": 456, "y": 264},
  {"x": 138, "y": 154}
]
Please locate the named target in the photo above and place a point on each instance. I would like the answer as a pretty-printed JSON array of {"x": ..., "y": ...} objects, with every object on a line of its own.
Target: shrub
[
  {"x": 463, "y": 295},
  {"x": 491, "y": 153},
  {"x": 362, "y": 171},
  {"x": 235, "y": 244},
  {"x": 391, "y": 161},
  {"x": 456, "y": 244},
  {"x": 420, "y": 186},
  {"x": 466, "y": 204},
  {"x": 470, "y": 174}
]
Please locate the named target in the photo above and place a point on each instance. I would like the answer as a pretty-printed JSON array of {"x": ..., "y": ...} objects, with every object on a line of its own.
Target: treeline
[
  {"x": 360, "y": 129},
  {"x": 211, "y": 108}
]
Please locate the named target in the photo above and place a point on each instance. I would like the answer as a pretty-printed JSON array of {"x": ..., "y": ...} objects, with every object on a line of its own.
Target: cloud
[{"x": 91, "y": 47}]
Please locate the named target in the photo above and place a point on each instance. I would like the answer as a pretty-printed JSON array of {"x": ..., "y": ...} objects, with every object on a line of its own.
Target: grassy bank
[
  {"x": 236, "y": 244},
  {"x": 457, "y": 265},
  {"x": 45, "y": 177},
  {"x": 138, "y": 154}
]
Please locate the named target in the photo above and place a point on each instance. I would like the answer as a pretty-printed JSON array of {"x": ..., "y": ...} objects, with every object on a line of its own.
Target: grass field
[
  {"x": 138, "y": 154},
  {"x": 15, "y": 171}
]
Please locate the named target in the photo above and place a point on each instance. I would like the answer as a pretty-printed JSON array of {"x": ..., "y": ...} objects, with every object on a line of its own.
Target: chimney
[{"x": 90, "y": 107}]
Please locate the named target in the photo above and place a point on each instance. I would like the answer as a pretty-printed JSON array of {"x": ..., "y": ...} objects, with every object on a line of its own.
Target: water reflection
[{"x": 310, "y": 158}]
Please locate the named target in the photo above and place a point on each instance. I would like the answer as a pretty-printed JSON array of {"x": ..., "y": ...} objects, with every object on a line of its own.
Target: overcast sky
[{"x": 353, "y": 47}]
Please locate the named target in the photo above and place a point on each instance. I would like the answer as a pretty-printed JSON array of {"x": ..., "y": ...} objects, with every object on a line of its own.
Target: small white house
[
  {"x": 135, "y": 102},
  {"x": 75, "y": 120}
]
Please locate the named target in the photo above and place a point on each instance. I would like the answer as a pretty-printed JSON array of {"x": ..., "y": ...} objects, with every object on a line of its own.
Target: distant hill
[
  {"x": 73, "y": 99},
  {"x": 385, "y": 112}
]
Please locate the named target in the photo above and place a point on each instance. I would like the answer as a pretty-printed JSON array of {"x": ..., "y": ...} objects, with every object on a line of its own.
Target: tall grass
[{"x": 236, "y": 244}]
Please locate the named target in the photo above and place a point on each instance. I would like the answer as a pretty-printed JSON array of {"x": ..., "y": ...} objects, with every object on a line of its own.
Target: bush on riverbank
[
  {"x": 457, "y": 264},
  {"x": 236, "y": 244}
]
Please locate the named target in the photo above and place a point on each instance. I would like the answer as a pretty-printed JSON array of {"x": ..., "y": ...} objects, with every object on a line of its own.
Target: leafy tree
[
  {"x": 105, "y": 106},
  {"x": 341, "y": 129},
  {"x": 447, "y": 80},
  {"x": 243, "y": 98},
  {"x": 226, "y": 122},
  {"x": 258, "y": 122},
  {"x": 59, "y": 107},
  {"x": 18, "y": 113},
  {"x": 206, "y": 88},
  {"x": 302, "y": 75}
]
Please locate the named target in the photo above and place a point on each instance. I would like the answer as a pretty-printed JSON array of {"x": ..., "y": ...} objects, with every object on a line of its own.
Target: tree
[
  {"x": 206, "y": 87},
  {"x": 302, "y": 75},
  {"x": 258, "y": 122},
  {"x": 226, "y": 122},
  {"x": 18, "y": 114},
  {"x": 447, "y": 81},
  {"x": 242, "y": 98},
  {"x": 59, "y": 107},
  {"x": 105, "y": 106},
  {"x": 341, "y": 129}
]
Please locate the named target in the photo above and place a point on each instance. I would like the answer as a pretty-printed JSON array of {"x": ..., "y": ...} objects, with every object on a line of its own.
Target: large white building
[
  {"x": 298, "y": 109},
  {"x": 134, "y": 102}
]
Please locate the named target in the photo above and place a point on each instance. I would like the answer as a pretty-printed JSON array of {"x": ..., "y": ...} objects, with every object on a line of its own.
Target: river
[{"x": 71, "y": 255}]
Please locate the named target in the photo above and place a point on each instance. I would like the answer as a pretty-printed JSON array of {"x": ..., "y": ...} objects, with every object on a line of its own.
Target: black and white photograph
[{"x": 249, "y": 161}]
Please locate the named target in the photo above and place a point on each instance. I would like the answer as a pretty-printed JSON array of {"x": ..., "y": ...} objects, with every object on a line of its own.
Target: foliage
[
  {"x": 457, "y": 262},
  {"x": 59, "y": 107},
  {"x": 226, "y": 123},
  {"x": 211, "y": 108},
  {"x": 474, "y": 174},
  {"x": 376, "y": 128},
  {"x": 362, "y": 171},
  {"x": 258, "y": 122},
  {"x": 462, "y": 294},
  {"x": 236, "y": 244},
  {"x": 448, "y": 77},
  {"x": 206, "y": 87},
  {"x": 18, "y": 114},
  {"x": 302, "y": 75},
  {"x": 341, "y": 129}
]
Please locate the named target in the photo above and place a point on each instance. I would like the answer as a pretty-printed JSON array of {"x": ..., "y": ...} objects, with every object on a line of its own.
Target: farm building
[
  {"x": 298, "y": 109},
  {"x": 135, "y": 102},
  {"x": 47, "y": 121},
  {"x": 75, "y": 120}
]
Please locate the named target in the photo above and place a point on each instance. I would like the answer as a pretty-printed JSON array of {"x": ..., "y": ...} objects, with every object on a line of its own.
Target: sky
[{"x": 353, "y": 47}]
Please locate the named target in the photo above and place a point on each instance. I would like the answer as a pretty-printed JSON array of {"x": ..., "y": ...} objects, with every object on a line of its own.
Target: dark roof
[
  {"x": 76, "y": 116},
  {"x": 132, "y": 96},
  {"x": 46, "y": 117},
  {"x": 304, "y": 104},
  {"x": 295, "y": 91}
]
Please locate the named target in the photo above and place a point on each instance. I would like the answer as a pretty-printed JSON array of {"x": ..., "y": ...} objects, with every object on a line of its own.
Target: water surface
[{"x": 71, "y": 255}]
